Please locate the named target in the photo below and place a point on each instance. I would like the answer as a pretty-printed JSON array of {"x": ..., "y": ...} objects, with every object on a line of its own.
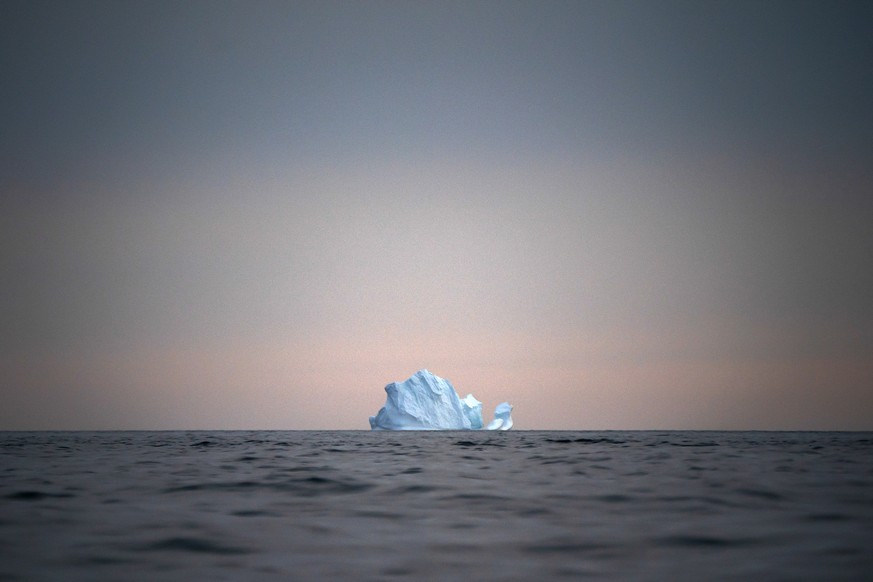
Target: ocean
[{"x": 475, "y": 505}]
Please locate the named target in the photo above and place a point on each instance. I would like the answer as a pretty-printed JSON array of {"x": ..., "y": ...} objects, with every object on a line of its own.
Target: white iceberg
[
  {"x": 502, "y": 419},
  {"x": 472, "y": 410},
  {"x": 425, "y": 401}
]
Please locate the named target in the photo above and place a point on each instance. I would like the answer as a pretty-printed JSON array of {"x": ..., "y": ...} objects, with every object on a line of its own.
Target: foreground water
[{"x": 360, "y": 505}]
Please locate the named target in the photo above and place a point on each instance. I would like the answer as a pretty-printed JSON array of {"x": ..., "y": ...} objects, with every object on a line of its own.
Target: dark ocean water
[{"x": 356, "y": 505}]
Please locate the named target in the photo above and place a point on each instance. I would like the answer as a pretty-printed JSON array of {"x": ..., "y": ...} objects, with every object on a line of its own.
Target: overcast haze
[{"x": 612, "y": 214}]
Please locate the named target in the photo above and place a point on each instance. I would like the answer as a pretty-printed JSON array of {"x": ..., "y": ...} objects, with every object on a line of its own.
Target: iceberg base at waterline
[{"x": 424, "y": 401}]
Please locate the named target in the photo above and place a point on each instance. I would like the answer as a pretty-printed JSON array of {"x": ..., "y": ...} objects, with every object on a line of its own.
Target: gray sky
[{"x": 612, "y": 214}]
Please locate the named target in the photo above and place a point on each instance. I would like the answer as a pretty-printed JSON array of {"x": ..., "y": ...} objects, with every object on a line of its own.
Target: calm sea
[{"x": 359, "y": 505}]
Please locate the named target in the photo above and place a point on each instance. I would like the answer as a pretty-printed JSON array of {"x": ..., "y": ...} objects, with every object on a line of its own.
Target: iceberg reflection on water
[{"x": 424, "y": 401}]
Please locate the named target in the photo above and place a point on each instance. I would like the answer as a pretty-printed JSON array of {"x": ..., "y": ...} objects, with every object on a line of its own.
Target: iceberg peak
[{"x": 473, "y": 411}]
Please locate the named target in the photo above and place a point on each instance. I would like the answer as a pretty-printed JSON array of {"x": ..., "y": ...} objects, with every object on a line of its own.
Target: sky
[{"x": 614, "y": 215}]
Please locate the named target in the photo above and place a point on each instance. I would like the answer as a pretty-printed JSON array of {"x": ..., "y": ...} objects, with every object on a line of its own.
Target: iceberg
[
  {"x": 473, "y": 411},
  {"x": 424, "y": 401},
  {"x": 502, "y": 419}
]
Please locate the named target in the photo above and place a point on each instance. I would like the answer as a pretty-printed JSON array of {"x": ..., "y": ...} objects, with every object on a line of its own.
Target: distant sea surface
[{"x": 360, "y": 505}]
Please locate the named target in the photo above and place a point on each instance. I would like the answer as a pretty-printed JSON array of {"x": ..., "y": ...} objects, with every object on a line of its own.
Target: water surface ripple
[{"x": 360, "y": 505}]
